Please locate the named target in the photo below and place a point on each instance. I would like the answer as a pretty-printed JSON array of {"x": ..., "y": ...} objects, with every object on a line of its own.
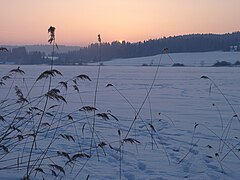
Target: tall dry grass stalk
[
  {"x": 95, "y": 92},
  {"x": 53, "y": 94}
]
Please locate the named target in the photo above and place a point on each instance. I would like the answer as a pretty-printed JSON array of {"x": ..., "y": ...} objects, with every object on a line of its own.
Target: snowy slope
[{"x": 188, "y": 59}]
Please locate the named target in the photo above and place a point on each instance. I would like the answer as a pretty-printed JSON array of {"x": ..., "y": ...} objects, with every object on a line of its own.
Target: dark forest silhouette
[{"x": 116, "y": 49}]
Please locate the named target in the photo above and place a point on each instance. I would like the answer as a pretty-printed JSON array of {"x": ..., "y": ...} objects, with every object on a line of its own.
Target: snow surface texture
[
  {"x": 188, "y": 59},
  {"x": 176, "y": 135}
]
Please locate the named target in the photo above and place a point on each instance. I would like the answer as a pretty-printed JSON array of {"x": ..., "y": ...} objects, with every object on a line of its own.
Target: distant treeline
[
  {"x": 19, "y": 55},
  {"x": 116, "y": 49},
  {"x": 185, "y": 43},
  {"x": 225, "y": 63}
]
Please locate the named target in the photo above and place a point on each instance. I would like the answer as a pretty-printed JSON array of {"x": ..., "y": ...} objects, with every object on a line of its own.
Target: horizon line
[{"x": 83, "y": 46}]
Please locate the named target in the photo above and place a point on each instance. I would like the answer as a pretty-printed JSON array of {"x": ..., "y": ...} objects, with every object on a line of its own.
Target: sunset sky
[{"x": 78, "y": 22}]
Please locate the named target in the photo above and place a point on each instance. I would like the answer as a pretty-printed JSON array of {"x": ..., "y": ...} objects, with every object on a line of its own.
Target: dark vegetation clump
[
  {"x": 237, "y": 63},
  {"x": 221, "y": 64},
  {"x": 178, "y": 65}
]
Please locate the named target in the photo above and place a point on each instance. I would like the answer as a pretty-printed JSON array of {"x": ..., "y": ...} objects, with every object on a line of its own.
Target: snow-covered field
[
  {"x": 185, "y": 128},
  {"x": 188, "y": 59}
]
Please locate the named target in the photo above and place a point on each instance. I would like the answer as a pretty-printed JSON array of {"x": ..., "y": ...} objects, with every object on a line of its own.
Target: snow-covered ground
[
  {"x": 185, "y": 128},
  {"x": 188, "y": 59}
]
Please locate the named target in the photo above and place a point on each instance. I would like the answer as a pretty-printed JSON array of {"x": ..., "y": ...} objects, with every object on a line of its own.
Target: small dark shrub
[
  {"x": 221, "y": 64},
  {"x": 178, "y": 65}
]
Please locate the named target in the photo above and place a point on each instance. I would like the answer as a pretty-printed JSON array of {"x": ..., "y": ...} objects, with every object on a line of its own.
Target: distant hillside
[
  {"x": 184, "y": 43},
  {"x": 47, "y": 49},
  {"x": 78, "y": 55}
]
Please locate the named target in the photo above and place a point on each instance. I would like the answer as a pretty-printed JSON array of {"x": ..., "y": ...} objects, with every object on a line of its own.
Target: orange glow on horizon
[{"x": 78, "y": 22}]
